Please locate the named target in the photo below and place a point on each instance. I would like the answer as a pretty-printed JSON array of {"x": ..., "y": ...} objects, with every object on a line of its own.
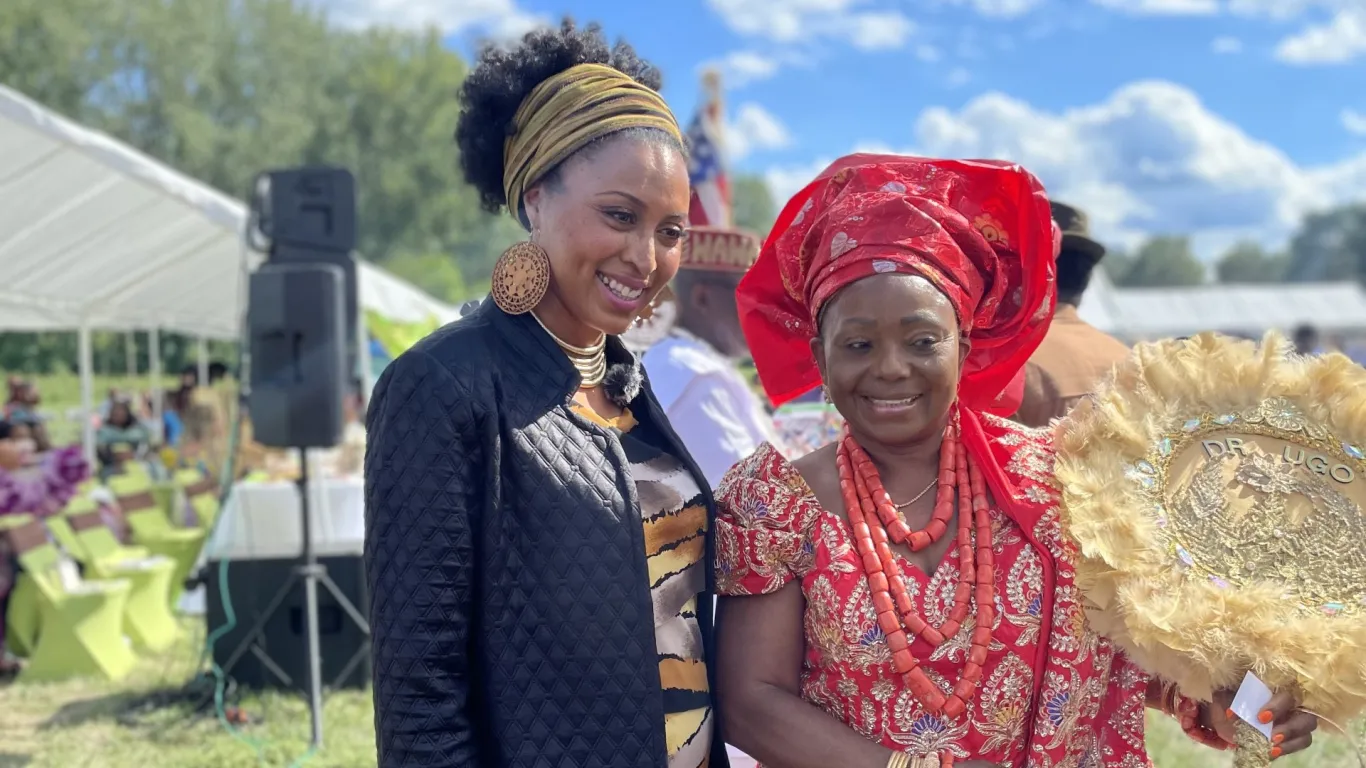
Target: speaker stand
[{"x": 310, "y": 573}]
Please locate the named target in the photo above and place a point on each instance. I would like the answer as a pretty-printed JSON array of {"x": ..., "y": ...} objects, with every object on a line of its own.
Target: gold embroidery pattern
[
  {"x": 921, "y": 733},
  {"x": 1024, "y": 596},
  {"x": 1003, "y": 703},
  {"x": 823, "y": 631}
]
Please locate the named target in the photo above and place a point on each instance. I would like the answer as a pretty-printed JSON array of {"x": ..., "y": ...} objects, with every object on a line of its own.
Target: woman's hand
[{"x": 1293, "y": 730}]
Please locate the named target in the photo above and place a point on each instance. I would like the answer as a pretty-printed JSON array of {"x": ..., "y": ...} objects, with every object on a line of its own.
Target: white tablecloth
[{"x": 262, "y": 520}]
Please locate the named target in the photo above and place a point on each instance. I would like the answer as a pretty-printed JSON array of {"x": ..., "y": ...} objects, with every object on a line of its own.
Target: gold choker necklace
[{"x": 589, "y": 361}]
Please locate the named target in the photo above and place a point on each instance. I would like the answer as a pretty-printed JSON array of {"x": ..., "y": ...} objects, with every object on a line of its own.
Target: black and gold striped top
[{"x": 674, "y": 514}]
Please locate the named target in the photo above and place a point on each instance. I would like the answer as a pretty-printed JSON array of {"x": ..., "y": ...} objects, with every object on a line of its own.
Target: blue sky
[{"x": 1225, "y": 119}]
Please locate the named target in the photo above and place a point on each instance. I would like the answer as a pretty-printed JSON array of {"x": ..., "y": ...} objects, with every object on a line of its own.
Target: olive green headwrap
[{"x": 567, "y": 112}]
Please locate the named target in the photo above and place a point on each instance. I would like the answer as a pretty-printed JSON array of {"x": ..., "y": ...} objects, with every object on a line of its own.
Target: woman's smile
[
  {"x": 889, "y": 407},
  {"x": 623, "y": 293}
]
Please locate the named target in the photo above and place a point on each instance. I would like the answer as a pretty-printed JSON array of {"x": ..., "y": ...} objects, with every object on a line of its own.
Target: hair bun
[{"x": 503, "y": 77}]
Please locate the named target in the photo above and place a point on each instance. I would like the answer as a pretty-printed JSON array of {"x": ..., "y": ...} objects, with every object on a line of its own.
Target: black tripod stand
[{"x": 310, "y": 573}]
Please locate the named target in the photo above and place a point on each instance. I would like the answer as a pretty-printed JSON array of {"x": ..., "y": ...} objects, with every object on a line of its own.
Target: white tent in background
[
  {"x": 96, "y": 235},
  {"x": 1141, "y": 314}
]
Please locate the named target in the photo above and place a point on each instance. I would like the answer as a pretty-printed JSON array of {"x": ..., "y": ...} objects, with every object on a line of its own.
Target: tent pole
[
  {"x": 202, "y": 353},
  {"x": 154, "y": 367},
  {"x": 87, "y": 374}
]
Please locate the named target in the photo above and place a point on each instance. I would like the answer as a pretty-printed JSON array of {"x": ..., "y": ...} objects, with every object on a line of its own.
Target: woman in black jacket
[{"x": 537, "y": 537}]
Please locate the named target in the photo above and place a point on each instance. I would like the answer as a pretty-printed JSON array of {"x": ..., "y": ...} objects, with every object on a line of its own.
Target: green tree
[
  {"x": 57, "y": 51},
  {"x": 1117, "y": 264},
  {"x": 752, "y": 204},
  {"x": 1249, "y": 263},
  {"x": 1330, "y": 245},
  {"x": 436, "y": 272},
  {"x": 1164, "y": 261}
]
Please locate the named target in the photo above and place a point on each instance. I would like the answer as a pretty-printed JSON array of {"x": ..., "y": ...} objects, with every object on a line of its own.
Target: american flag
[{"x": 706, "y": 168}]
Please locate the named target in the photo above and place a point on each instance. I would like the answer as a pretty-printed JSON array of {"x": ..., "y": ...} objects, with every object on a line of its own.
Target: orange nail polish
[
  {"x": 1277, "y": 738},
  {"x": 1275, "y": 752},
  {"x": 1266, "y": 716},
  {"x": 1229, "y": 713}
]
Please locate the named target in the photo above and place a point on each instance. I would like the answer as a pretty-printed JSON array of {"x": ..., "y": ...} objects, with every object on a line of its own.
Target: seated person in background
[
  {"x": 23, "y": 440},
  {"x": 11, "y": 456},
  {"x": 121, "y": 438},
  {"x": 171, "y": 424},
  {"x": 22, "y": 408},
  {"x": 115, "y": 395}
]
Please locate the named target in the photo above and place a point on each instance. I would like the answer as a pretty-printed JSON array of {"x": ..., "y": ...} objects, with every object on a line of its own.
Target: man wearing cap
[
  {"x": 1075, "y": 356},
  {"x": 692, "y": 369}
]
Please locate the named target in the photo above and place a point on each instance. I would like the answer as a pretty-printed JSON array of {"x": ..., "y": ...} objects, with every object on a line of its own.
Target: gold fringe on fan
[{"x": 1181, "y": 626}]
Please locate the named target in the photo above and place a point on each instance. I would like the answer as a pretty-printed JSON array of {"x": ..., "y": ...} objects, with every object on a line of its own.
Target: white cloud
[
  {"x": 794, "y": 20},
  {"x": 1004, "y": 9},
  {"x": 1149, "y": 159},
  {"x": 927, "y": 53},
  {"x": 875, "y": 31},
  {"x": 754, "y": 128},
  {"x": 785, "y": 182},
  {"x": 959, "y": 77},
  {"x": 1226, "y": 45},
  {"x": 1162, "y": 7},
  {"x": 1340, "y": 40},
  {"x": 1287, "y": 9},
  {"x": 500, "y": 19},
  {"x": 1354, "y": 122},
  {"x": 743, "y": 67}
]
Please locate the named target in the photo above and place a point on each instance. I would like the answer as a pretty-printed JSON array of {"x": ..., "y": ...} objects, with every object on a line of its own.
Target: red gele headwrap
[{"x": 980, "y": 230}]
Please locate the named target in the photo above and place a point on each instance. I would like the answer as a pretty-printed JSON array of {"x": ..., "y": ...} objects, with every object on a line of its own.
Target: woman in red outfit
[{"x": 904, "y": 596}]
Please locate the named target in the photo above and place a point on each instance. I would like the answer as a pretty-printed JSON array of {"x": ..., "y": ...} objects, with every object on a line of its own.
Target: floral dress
[{"x": 1052, "y": 693}]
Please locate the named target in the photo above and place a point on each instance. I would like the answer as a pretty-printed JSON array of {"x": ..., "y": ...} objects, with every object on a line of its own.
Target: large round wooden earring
[{"x": 521, "y": 276}]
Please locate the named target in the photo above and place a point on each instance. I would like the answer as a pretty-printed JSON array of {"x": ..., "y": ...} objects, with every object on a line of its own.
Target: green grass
[
  {"x": 99, "y": 725},
  {"x": 102, "y": 725}
]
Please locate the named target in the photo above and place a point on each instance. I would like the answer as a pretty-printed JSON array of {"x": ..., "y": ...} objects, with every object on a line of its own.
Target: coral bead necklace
[{"x": 877, "y": 524}]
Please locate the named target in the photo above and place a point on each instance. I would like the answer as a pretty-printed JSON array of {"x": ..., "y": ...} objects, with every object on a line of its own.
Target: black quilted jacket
[{"x": 505, "y": 556}]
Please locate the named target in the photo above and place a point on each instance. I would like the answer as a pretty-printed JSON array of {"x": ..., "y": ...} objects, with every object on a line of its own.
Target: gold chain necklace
[
  {"x": 589, "y": 361},
  {"x": 918, "y": 496}
]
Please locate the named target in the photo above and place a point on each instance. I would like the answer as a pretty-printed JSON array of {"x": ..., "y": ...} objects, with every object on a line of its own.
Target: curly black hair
[{"x": 503, "y": 77}]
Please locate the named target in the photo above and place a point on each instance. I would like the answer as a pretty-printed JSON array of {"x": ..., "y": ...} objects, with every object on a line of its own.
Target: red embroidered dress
[{"x": 1052, "y": 694}]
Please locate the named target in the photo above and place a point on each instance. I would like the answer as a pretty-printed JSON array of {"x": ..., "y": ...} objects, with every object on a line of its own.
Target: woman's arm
[
  {"x": 423, "y": 474},
  {"x": 759, "y": 662}
]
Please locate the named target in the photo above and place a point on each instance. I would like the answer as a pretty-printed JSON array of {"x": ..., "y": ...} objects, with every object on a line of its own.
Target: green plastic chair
[
  {"x": 99, "y": 546},
  {"x": 153, "y": 531},
  {"x": 80, "y": 632},
  {"x": 147, "y": 619},
  {"x": 24, "y": 613}
]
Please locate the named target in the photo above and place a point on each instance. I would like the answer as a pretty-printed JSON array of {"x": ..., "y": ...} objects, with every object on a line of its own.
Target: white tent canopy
[
  {"x": 1137, "y": 314},
  {"x": 94, "y": 234}
]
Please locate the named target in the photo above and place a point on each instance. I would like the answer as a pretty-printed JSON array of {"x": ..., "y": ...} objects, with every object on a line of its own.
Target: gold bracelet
[{"x": 899, "y": 760}]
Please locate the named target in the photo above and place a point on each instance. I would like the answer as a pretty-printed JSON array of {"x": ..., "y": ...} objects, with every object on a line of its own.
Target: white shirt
[{"x": 708, "y": 402}]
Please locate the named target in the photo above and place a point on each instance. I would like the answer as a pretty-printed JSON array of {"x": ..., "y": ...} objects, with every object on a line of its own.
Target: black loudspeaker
[
  {"x": 308, "y": 216},
  {"x": 286, "y": 255},
  {"x": 309, "y": 208},
  {"x": 280, "y": 647},
  {"x": 299, "y": 372}
]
